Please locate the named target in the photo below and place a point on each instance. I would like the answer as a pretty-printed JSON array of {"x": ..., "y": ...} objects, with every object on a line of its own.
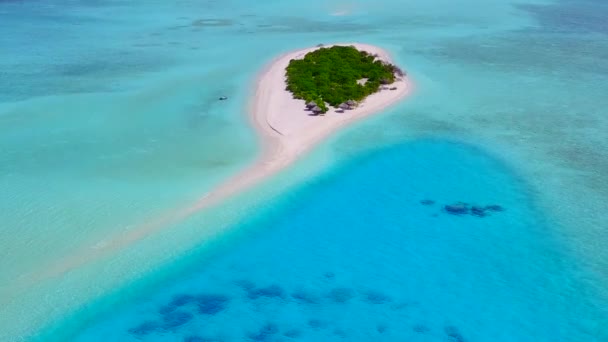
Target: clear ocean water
[{"x": 109, "y": 121}]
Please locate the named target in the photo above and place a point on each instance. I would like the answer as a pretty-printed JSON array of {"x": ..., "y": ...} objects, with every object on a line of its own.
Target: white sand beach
[{"x": 287, "y": 130}]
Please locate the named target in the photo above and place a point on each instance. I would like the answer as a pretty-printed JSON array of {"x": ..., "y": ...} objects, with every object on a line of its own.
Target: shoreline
[
  {"x": 282, "y": 143},
  {"x": 283, "y": 140}
]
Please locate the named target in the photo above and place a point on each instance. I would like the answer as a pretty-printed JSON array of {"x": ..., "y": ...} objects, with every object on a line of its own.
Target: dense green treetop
[{"x": 330, "y": 75}]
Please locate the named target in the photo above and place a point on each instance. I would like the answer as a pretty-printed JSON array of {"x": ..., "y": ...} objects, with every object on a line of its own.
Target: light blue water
[
  {"x": 355, "y": 256},
  {"x": 109, "y": 119}
]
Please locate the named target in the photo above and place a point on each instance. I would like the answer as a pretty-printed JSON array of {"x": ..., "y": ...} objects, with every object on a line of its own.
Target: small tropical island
[
  {"x": 350, "y": 76},
  {"x": 338, "y": 76}
]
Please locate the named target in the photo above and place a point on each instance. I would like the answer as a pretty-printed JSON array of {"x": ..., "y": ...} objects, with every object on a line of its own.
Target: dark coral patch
[
  {"x": 458, "y": 208},
  {"x": 494, "y": 207},
  {"x": 145, "y": 328},
  {"x": 182, "y": 299},
  {"x": 265, "y": 332},
  {"x": 461, "y": 208},
  {"x": 211, "y": 304},
  {"x": 176, "y": 319},
  {"x": 175, "y": 303},
  {"x": 329, "y": 275},
  {"x": 427, "y": 202},
  {"x": 341, "y": 294},
  {"x": 478, "y": 211},
  {"x": 453, "y": 334},
  {"x": 375, "y": 297},
  {"x": 272, "y": 291}
]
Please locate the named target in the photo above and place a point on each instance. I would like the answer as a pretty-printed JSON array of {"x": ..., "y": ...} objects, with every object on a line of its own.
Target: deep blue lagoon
[{"x": 367, "y": 252}]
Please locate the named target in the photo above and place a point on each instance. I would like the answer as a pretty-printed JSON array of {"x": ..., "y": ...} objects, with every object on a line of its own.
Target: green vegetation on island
[{"x": 337, "y": 75}]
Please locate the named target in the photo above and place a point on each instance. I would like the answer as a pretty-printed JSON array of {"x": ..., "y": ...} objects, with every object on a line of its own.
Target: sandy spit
[{"x": 286, "y": 132}]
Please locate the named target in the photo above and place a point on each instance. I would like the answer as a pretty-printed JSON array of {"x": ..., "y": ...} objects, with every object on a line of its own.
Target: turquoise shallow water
[
  {"x": 356, "y": 256},
  {"x": 109, "y": 120}
]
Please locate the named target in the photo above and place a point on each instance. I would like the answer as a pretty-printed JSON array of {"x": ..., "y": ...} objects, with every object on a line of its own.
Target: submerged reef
[
  {"x": 211, "y": 304},
  {"x": 180, "y": 311},
  {"x": 189, "y": 313},
  {"x": 457, "y": 208},
  {"x": 463, "y": 208},
  {"x": 177, "y": 302},
  {"x": 176, "y": 319},
  {"x": 375, "y": 297},
  {"x": 453, "y": 334}
]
